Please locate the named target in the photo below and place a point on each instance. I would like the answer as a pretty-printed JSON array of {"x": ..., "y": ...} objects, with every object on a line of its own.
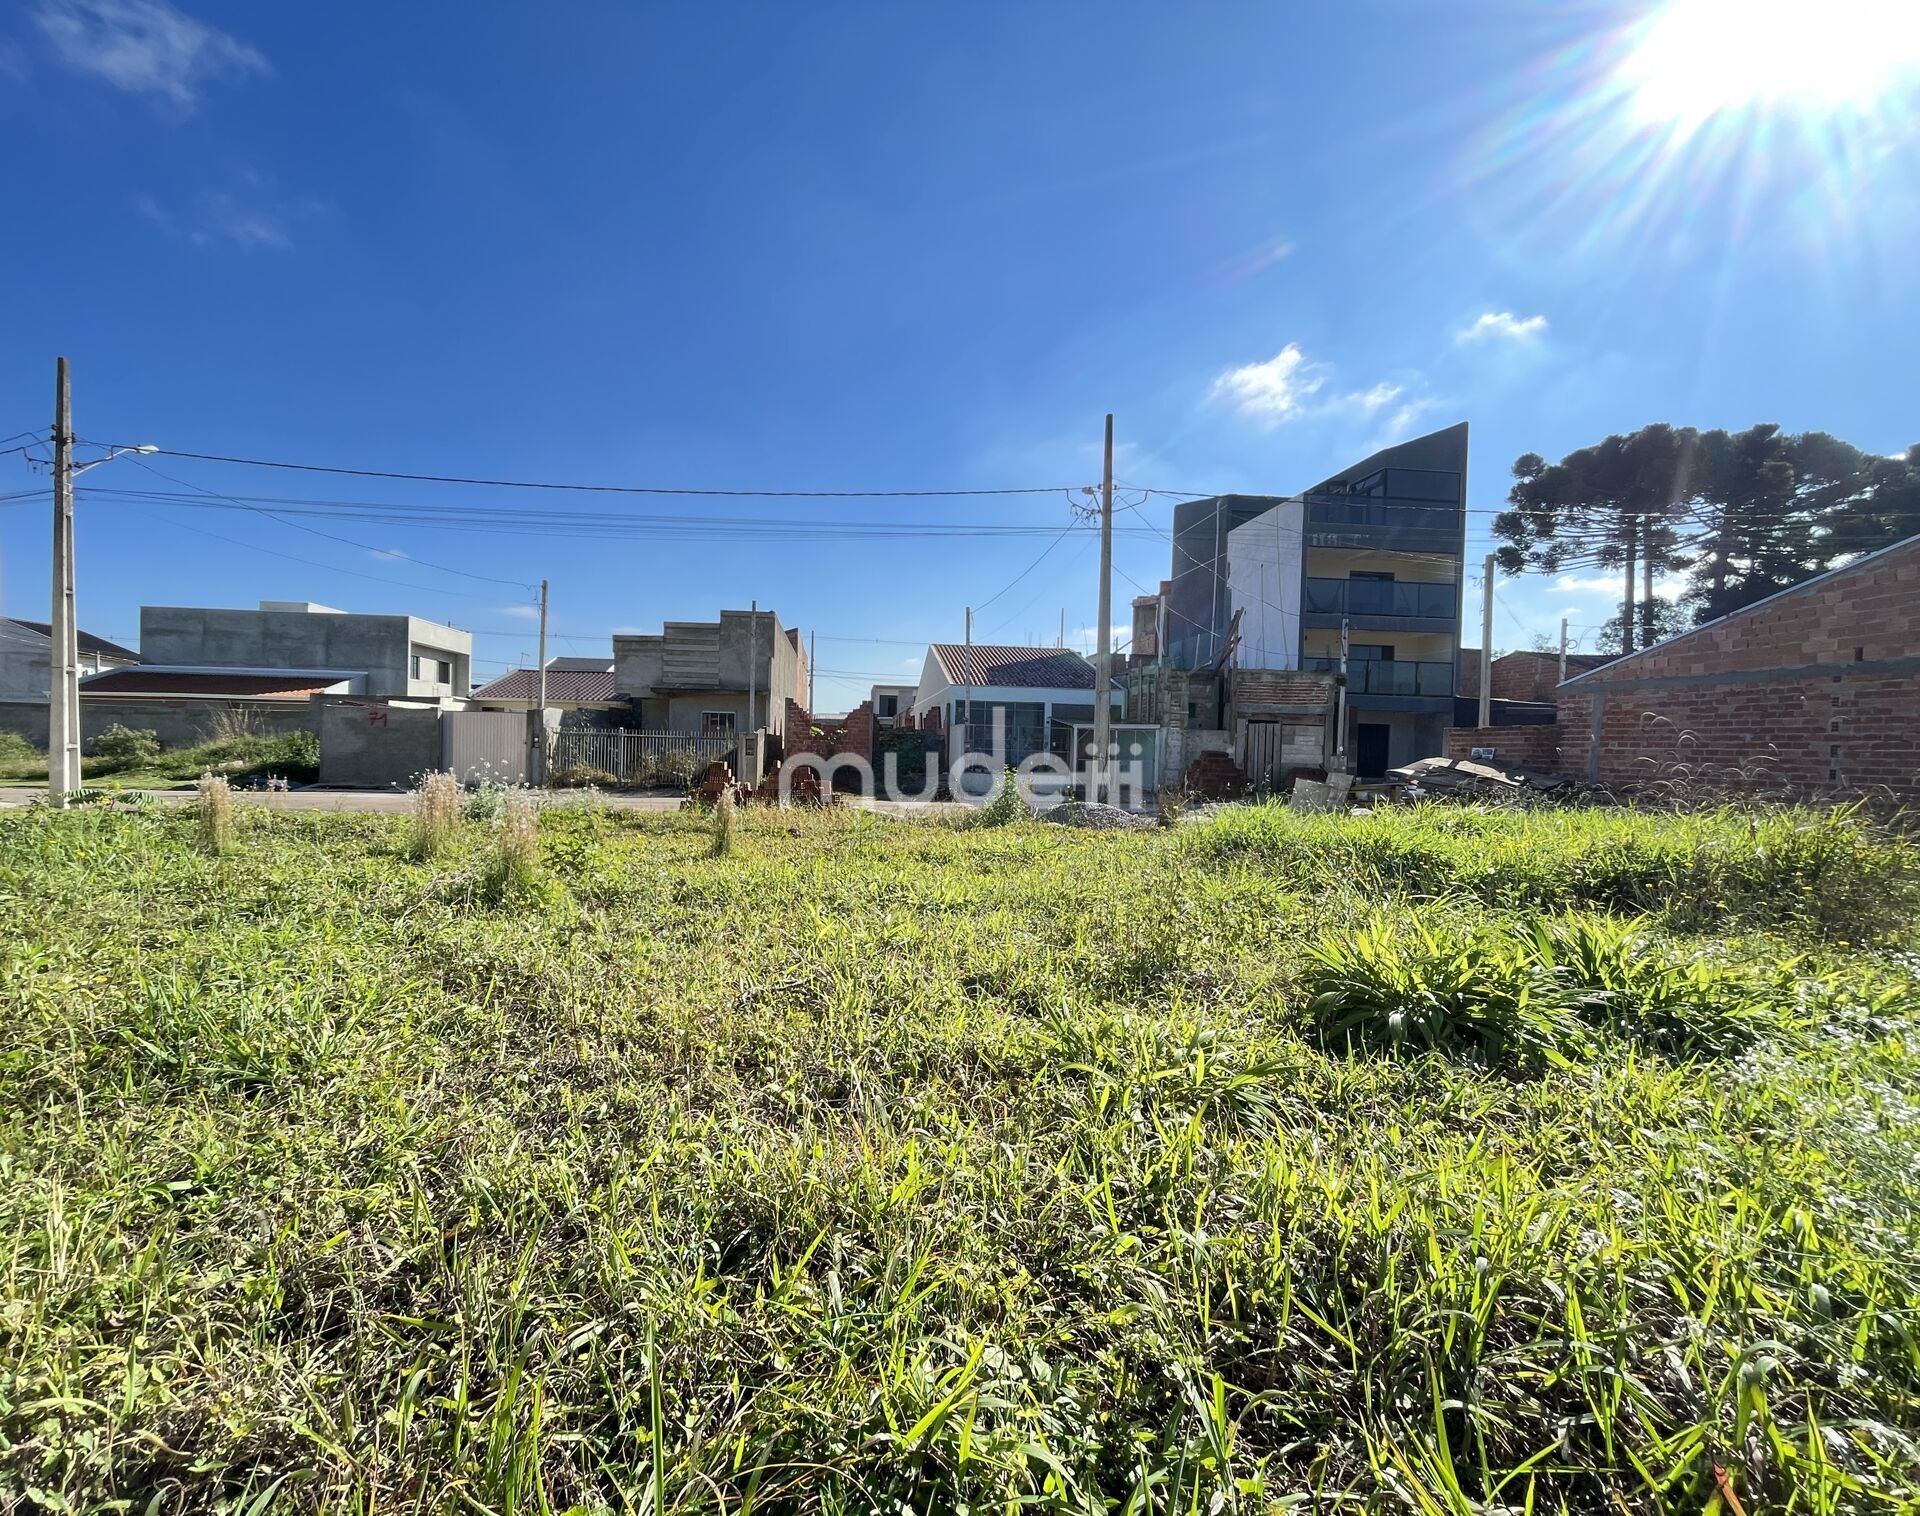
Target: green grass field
[{"x": 1434, "y": 1161}]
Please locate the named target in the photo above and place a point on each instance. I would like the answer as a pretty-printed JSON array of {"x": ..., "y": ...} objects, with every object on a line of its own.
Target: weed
[
  {"x": 123, "y": 747},
  {"x": 723, "y": 824},
  {"x": 513, "y": 866},
  {"x": 438, "y": 801},
  {"x": 213, "y": 814},
  {"x": 1006, "y": 807}
]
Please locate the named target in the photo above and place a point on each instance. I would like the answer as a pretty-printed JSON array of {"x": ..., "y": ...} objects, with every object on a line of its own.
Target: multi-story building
[
  {"x": 401, "y": 657},
  {"x": 1369, "y": 558},
  {"x": 715, "y": 678}
]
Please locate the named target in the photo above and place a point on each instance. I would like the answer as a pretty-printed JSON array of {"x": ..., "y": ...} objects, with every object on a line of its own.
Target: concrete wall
[
  {"x": 1815, "y": 690},
  {"x": 368, "y": 744},
  {"x": 200, "y": 636}
]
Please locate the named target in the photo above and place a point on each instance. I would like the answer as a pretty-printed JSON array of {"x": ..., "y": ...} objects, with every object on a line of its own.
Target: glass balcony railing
[
  {"x": 1388, "y": 676},
  {"x": 1378, "y": 597}
]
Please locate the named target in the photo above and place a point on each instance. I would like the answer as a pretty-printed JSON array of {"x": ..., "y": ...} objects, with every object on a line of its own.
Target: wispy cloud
[
  {"x": 1503, "y": 326},
  {"x": 1274, "y": 391},
  {"x": 250, "y": 219},
  {"x": 1665, "y": 586},
  {"x": 146, "y": 47},
  {"x": 386, "y": 553},
  {"x": 1369, "y": 402},
  {"x": 521, "y": 612}
]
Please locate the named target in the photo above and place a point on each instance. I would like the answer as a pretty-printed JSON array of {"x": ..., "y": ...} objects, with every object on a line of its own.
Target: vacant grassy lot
[{"x": 1440, "y": 1161}]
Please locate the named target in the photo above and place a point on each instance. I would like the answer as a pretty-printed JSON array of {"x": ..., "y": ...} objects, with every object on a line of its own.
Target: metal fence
[{"x": 639, "y": 757}]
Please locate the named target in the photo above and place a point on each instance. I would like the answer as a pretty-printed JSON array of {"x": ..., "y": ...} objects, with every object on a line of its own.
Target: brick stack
[
  {"x": 805, "y": 791},
  {"x": 1215, "y": 776},
  {"x": 720, "y": 779}
]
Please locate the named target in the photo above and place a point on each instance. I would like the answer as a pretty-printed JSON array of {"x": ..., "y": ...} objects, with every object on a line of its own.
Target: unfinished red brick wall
[
  {"x": 1816, "y": 690},
  {"x": 1525, "y": 747},
  {"x": 852, "y": 733}
]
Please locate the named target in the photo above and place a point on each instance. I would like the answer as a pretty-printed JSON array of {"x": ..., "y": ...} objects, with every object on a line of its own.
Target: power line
[
  {"x": 330, "y": 536},
  {"x": 608, "y": 489}
]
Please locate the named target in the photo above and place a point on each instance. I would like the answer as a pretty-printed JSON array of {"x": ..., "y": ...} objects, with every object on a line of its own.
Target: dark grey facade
[{"x": 1197, "y": 611}]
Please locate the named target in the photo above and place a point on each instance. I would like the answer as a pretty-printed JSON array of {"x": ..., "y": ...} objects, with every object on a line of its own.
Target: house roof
[
  {"x": 596, "y": 665},
  {"x": 99, "y": 647},
  {"x": 565, "y": 686},
  {"x": 1903, "y": 545},
  {"x": 1035, "y": 668},
  {"x": 242, "y": 684}
]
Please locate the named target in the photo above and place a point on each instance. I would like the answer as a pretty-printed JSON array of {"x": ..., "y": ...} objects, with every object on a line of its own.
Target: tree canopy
[{"x": 1740, "y": 514}]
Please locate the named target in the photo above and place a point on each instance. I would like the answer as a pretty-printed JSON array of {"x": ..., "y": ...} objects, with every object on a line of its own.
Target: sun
[{"x": 1697, "y": 59}]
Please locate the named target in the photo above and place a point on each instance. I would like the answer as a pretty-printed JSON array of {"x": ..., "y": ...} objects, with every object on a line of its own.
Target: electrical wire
[{"x": 605, "y": 489}]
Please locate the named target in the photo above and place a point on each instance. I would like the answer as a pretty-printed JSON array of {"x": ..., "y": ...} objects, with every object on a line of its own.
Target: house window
[
  {"x": 432, "y": 670},
  {"x": 1370, "y": 652},
  {"x": 716, "y": 723},
  {"x": 1372, "y": 576},
  {"x": 889, "y": 705}
]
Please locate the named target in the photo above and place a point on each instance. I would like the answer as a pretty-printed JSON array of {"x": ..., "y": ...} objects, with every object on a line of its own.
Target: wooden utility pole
[
  {"x": 540, "y": 729},
  {"x": 1486, "y": 642},
  {"x": 63, "y": 652},
  {"x": 1103, "y": 658}
]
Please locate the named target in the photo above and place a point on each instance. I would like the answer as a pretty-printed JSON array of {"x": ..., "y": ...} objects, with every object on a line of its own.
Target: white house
[{"x": 1036, "y": 695}]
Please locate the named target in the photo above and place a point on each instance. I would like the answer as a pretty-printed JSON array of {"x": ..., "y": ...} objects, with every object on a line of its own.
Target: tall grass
[
  {"x": 1831, "y": 872},
  {"x": 723, "y": 823},
  {"x": 513, "y": 863},
  {"x": 901, "y": 1167},
  {"x": 438, "y": 803},
  {"x": 213, "y": 813}
]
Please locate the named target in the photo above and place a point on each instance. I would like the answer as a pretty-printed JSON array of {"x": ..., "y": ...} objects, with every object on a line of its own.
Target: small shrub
[
  {"x": 437, "y": 805},
  {"x": 676, "y": 768},
  {"x": 582, "y": 776},
  {"x": 15, "y": 749},
  {"x": 723, "y": 824},
  {"x": 124, "y": 746},
  {"x": 513, "y": 870},
  {"x": 213, "y": 810},
  {"x": 1006, "y": 807}
]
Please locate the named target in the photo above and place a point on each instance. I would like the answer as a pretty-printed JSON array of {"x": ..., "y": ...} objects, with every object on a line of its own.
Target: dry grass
[
  {"x": 723, "y": 824},
  {"x": 513, "y": 869},
  {"x": 213, "y": 809},
  {"x": 437, "y": 806}
]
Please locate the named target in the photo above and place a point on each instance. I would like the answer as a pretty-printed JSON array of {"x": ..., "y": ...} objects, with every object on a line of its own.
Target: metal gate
[
  {"x": 476, "y": 745},
  {"x": 668, "y": 758}
]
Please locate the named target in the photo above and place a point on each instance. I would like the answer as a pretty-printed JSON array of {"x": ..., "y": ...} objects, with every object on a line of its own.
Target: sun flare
[{"x": 1700, "y": 58}]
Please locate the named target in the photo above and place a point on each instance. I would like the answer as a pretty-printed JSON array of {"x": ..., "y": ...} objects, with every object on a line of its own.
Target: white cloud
[
  {"x": 1273, "y": 391},
  {"x": 1370, "y": 401},
  {"x": 385, "y": 552},
  {"x": 521, "y": 612},
  {"x": 146, "y": 47},
  {"x": 250, "y": 220},
  {"x": 1503, "y": 325},
  {"x": 1665, "y": 586}
]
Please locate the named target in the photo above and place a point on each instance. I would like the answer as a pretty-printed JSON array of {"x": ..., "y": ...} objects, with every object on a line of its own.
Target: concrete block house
[{"x": 713, "y": 678}]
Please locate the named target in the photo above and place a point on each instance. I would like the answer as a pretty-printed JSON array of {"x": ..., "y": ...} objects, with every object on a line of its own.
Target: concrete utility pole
[
  {"x": 969, "y": 626},
  {"x": 812, "y": 647},
  {"x": 1103, "y": 657},
  {"x": 1486, "y": 642},
  {"x": 63, "y": 654},
  {"x": 541, "y": 728},
  {"x": 1563, "y": 649},
  {"x": 1340, "y": 704},
  {"x": 1063, "y": 628}
]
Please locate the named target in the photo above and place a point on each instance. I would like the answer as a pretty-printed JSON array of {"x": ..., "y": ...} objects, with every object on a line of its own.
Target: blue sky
[{"x": 904, "y": 246}]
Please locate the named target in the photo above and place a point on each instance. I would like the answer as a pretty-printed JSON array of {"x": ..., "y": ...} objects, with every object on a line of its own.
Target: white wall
[{"x": 1263, "y": 585}]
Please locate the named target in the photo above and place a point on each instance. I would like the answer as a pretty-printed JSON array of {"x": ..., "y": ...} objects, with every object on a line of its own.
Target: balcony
[
  {"x": 1379, "y": 597},
  {"x": 1388, "y": 676}
]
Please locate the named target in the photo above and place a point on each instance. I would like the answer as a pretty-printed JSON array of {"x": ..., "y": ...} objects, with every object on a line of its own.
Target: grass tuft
[
  {"x": 213, "y": 814},
  {"x": 722, "y": 823},
  {"x": 512, "y": 873},
  {"x": 438, "y": 803}
]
